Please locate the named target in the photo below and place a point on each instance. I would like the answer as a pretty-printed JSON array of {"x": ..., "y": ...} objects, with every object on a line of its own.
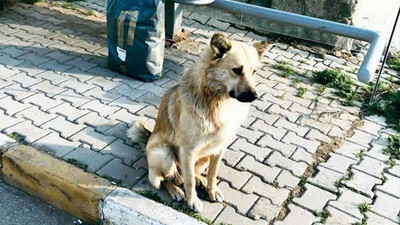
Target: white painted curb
[{"x": 125, "y": 207}]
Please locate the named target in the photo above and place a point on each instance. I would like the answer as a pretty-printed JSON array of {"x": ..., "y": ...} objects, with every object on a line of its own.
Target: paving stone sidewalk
[{"x": 57, "y": 94}]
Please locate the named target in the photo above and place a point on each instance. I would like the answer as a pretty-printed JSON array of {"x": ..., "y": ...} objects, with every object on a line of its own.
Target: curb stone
[{"x": 87, "y": 196}]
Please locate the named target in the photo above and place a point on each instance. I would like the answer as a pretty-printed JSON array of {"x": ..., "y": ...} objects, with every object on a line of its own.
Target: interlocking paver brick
[
  {"x": 71, "y": 97},
  {"x": 298, "y": 216},
  {"x": 297, "y": 168},
  {"x": 101, "y": 95},
  {"x": 232, "y": 157},
  {"x": 43, "y": 102},
  {"x": 55, "y": 144},
  {"x": 299, "y": 130},
  {"x": 242, "y": 145},
  {"x": 338, "y": 163},
  {"x": 390, "y": 186},
  {"x": 35, "y": 115},
  {"x": 228, "y": 215},
  {"x": 76, "y": 85},
  {"x": 218, "y": 24},
  {"x": 63, "y": 126},
  {"x": 276, "y": 195},
  {"x": 373, "y": 218},
  {"x": 54, "y": 65},
  {"x": 291, "y": 116},
  {"x": 8, "y": 121},
  {"x": 92, "y": 159},
  {"x": 46, "y": 87},
  {"x": 266, "y": 117},
  {"x": 241, "y": 201},
  {"x": 349, "y": 202},
  {"x": 158, "y": 91},
  {"x": 376, "y": 152},
  {"x": 362, "y": 138},
  {"x": 6, "y": 72},
  {"x": 127, "y": 176},
  {"x": 363, "y": 182},
  {"x": 105, "y": 84},
  {"x": 102, "y": 109},
  {"x": 286, "y": 179},
  {"x": 267, "y": 173},
  {"x": 10, "y": 106},
  {"x": 119, "y": 130},
  {"x": 371, "y": 166},
  {"x": 53, "y": 77},
  {"x": 68, "y": 111},
  {"x": 264, "y": 209},
  {"x": 338, "y": 217},
  {"x": 301, "y": 155},
  {"x": 314, "y": 198},
  {"x": 124, "y": 116},
  {"x": 279, "y": 104},
  {"x": 326, "y": 178},
  {"x": 13, "y": 51},
  {"x": 34, "y": 58},
  {"x": 386, "y": 206},
  {"x": 17, "y": 92},
  {"x": 235, "y": 177},
  {"x": 148, "y": 111},
  {"x": 127, "y": 91},
  {"x": 99, "y": 123},
  {"x": 350, "y": 150},
  {"x": 277, "y": 133},
  {"x": 323, "y": 127},
  {"x": 250, "y": 135},
  {"x": 96, "y": 140},
  {"x": 30, "y": 132},
  {"x": 292, "y": 138},
  {"x": 24, "y": 80},
  {"x": 286, "y": 149},
  {"x": 128, "y": 154}
]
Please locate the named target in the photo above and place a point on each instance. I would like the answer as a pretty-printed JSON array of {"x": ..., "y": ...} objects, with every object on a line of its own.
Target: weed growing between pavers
[
  {"x": 287, "y": 69},
  {"x": 300, "y": 93},
  {"x": 341, "y": 82},
  {"x": 388, "y": 105},
  {"x": 394, "y": 62},
  {"x": 179, "y": 208},
  {"x": 393, "y": 149},
  {"x": 324, "y": 214}
]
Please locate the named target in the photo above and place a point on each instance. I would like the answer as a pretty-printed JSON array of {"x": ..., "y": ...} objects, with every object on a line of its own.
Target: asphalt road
[{"x": 19, "y": 208}]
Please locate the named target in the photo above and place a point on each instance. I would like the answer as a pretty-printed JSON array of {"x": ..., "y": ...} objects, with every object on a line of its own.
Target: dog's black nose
[{"x": 247, "y": 96}]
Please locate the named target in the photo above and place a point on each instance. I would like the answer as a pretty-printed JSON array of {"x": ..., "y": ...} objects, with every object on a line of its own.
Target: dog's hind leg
[
  {"x": 161, "y": 162},
  {"x": 174, "y": 191}
]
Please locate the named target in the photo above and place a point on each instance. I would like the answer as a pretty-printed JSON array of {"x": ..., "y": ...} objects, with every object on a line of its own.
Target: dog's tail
[{"x": 139, "y": 133}]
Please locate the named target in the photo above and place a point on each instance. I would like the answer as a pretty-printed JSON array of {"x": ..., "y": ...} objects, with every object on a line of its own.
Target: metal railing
[{"x": 377, "y": 42}]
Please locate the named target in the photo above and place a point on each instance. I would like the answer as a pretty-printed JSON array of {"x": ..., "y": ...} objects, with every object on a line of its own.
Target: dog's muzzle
[{"x": 247, "y": 96}]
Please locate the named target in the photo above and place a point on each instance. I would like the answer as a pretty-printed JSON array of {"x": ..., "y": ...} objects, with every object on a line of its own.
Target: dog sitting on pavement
[{"x": 198, "y": 119}]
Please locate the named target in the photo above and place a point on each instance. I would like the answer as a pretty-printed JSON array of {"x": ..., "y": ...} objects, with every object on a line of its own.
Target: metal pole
[{"x": 384, "y": 59}]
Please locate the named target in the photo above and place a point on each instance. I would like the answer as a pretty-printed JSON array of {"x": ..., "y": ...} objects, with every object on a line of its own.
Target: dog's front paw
[
  {"x": 215, "y": 194},
  {"x": 195, "y": 204}
]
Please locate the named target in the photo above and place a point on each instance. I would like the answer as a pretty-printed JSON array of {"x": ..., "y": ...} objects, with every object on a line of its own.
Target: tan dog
[{"x": 198, "y": 119}]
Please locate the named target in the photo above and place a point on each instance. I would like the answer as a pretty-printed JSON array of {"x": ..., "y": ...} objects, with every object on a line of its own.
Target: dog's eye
[{"x": 238, "y": 71}]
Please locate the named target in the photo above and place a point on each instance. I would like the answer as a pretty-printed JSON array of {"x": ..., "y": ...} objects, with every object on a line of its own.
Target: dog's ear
[
  {"x": 220, "y": 45},
  {"x": 261, "y": 46}
]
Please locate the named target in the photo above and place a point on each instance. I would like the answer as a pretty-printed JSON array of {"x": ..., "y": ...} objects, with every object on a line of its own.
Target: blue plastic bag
[{"x": 135, "y": 37}]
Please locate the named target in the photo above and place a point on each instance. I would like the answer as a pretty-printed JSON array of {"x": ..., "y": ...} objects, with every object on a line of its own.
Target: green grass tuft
[
  {"x": 394, "y": 62},
  {"x": 323, "y": 215},
  {"x": 388, "y": 105},
  {"x": 287, "y": 69},
  {"x": 364, "y": 207},
  {"x": 393, "y": 149},
  {"x": 300, "y": 93}
]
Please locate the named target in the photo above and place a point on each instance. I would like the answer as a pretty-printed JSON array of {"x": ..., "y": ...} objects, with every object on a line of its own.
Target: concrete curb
[{"x": 84, "y": 195}]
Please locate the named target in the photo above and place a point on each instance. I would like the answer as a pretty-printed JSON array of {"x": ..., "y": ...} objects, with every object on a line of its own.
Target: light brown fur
[{"x": 198, "y": 118}]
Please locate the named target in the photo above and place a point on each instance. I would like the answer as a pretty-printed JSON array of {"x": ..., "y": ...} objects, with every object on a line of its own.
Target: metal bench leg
[{"x": 173, "y": 19}]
